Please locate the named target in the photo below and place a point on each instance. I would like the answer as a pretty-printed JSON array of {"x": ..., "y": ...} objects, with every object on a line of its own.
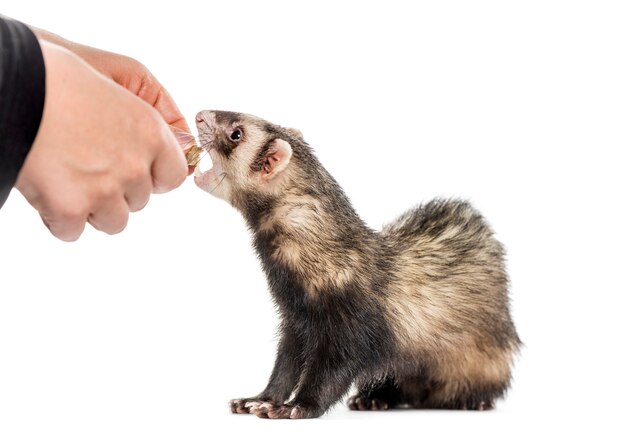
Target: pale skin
[{"x": 105, "y": 142}]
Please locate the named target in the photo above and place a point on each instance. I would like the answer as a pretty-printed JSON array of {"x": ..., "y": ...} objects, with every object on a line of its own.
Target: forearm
[
  {"x": 22, "y": 94},
  {"x": 97, "y": 58},
  {"x": 127, "y": 72}
]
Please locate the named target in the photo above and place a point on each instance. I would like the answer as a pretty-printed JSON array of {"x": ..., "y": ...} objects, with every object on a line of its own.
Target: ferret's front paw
[
  {"x": 245, "y": 405},
  {"x": 357, "y": 402},
  {"x": 270, "y": 410}
]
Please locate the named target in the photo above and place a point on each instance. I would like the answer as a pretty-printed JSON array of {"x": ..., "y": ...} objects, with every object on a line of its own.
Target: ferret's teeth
[{"x": 205, "y": 163}]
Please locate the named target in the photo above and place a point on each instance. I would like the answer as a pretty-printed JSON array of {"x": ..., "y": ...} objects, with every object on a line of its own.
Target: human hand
[
  {"x": 99, "y": 153},
  {"x": 133, "y": 76}
]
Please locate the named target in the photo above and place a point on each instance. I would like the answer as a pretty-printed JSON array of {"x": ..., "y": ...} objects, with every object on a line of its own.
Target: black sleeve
[{"x": 22, "y": 94}]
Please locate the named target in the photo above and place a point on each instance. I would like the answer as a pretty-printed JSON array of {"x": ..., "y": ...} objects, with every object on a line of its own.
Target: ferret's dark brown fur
[{"x": 415, "y": 315}]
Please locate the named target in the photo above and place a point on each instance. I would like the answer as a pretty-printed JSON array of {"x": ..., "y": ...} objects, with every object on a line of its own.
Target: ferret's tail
[{"x": 439, "y": 220}]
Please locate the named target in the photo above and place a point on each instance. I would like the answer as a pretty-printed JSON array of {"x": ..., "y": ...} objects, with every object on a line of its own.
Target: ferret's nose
[{"x": 199, "y": 117}]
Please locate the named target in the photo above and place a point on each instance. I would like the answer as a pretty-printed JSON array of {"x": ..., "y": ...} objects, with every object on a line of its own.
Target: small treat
[
  {"x": 188, "y": 143},
  {"x": 194, "y": 155}
]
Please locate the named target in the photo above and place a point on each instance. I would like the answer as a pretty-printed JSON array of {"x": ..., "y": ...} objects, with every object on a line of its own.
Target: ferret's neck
[
  {"x": 312, "y": 244},
  {"x": 312, "y": 206},
  {"x": 302, "y": 212}
]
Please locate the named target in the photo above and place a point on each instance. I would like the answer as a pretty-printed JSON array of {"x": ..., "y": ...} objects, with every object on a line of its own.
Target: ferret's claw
[
  {"x": 245, "y": 405},
  {"x": 269, "y": 410},
  {"x": 361, "y": 403}
]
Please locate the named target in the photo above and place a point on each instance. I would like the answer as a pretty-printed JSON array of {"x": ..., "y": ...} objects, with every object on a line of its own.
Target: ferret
[{"x": 415, "y": 315}]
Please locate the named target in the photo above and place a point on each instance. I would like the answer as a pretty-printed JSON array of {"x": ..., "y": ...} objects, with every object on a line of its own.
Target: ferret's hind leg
[
  {"x": 429, "y": 393},
  {"x": 379, "y": 396},
  {"x": 454, "y": 385},
  {"x": 463, "y": 396}
]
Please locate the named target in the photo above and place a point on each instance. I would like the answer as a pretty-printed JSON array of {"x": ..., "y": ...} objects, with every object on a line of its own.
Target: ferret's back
[
  {"x": 451, "y": 274},
  {"x": 449, "y": 234}
]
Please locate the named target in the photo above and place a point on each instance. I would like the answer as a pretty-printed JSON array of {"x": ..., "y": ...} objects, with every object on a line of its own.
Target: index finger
[{"x": 168, "y": 109}]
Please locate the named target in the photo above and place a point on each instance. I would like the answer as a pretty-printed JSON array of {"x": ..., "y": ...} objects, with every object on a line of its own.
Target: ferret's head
[{"x": 249, "y": 154}]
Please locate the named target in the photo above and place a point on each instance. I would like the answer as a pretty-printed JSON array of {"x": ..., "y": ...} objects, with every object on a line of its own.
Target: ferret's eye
[{"x": 235, "y": 136}]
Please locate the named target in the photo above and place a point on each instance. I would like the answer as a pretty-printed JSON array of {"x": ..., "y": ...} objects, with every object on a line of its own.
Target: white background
[{"x": 517, "y": 106}]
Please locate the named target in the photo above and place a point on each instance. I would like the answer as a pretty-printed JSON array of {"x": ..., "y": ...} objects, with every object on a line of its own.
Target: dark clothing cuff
[{"x": 22, "y": 95}]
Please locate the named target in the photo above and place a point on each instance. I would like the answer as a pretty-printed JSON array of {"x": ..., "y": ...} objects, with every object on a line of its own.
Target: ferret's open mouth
[{"x": 208, "y": 174}]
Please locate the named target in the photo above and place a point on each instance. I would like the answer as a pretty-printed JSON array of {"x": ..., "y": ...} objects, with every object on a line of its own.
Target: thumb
[{"x": 169, "y": 168}]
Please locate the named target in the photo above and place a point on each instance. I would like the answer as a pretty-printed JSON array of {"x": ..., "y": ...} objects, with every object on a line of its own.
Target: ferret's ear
[
  {"x": 295, "y": 133},
  {"x": 276, "y": 160}
]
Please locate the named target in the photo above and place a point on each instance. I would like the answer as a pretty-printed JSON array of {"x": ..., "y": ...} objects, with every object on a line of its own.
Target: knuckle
[
  {"x": 139, "y": 201},
  {"x": 65, "y": 216},
  {"x": 107, "y": 190},
  {"x": 71, "y": 213},
  {"x": 68, "y": 226},
  {"x": 146, "y": 78},
  {"x": 111, "y": 224},
  {"x": 144, "y": 126},
  {"x": 136, "y": 171},
  {"x": 144, "y": 81},
  {"x": 135, "y": 64},
  {"x": 151, "y": 129}
]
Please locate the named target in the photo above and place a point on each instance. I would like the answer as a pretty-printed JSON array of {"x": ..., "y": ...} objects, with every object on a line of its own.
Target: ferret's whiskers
[
  {"x": 203, "y": 155},
  {"x": 223, "y": 175}
]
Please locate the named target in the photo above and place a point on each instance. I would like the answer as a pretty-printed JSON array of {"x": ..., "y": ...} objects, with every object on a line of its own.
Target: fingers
[
  {"x": 133, "y": 76},
  {"x": 66, "y": 219},
  {"x": 111, "y": 217},
  {"x": 96, "y": 163},
  {"x": 168, "y": 109},
  {"x": 138, "y": 195},
  {"x": 113, "y": 202},
  {"x": 140, "y": 81},
  {"x": 134, "y": 180},
  {"x": 67, "y": 227},
  {"x": 169, "y": 168},
  {"x": 185, "y": 139}
]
